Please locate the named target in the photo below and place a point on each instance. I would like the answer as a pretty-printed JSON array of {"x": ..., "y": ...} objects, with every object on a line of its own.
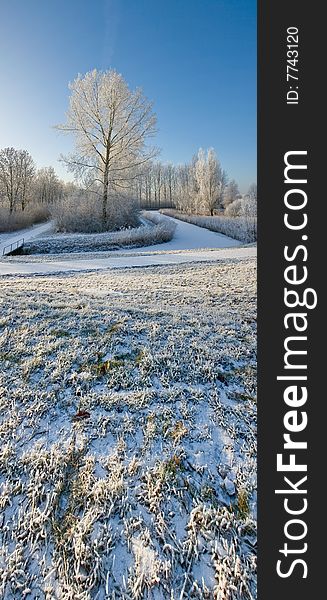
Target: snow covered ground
[
  {"x": 128, "y": 427},
  {"x": 42, "y": 265},
  {"x": 188, "y": 237},
  {"x": 189, "y": 244}
]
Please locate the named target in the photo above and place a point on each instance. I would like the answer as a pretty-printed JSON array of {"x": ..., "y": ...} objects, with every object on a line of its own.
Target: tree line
[
  {"x": 22, "y": 184},
  {"x": 200, "y": 187}
]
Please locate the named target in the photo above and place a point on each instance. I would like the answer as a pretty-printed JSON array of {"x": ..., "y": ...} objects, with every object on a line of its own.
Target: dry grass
[
  {"x": 113, "y": 480},
  {"x": 21, "y": 220}
]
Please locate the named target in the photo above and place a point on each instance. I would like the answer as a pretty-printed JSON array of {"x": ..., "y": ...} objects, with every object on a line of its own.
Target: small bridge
[{"x": 10, "y": 248}]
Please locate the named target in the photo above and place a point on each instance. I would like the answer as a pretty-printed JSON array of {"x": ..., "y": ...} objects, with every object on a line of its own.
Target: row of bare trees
[
  {"x": 200, "y": 187},
  {"x": 23, "y": 185},
  {"x": 17, "y": 171}
]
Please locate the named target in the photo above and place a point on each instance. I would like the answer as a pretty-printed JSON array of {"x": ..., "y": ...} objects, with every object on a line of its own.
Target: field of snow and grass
[
  {"x": 128, "y": 427},
  {"x": 156, "y": 232},
  {"x": 61, "y": 243}
]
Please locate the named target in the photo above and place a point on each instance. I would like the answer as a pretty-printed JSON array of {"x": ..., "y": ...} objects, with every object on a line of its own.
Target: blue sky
[{"x": 196, "y": 59}]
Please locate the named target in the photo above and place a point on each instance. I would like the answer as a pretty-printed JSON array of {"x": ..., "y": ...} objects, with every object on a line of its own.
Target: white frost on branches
[{"x": 111, "y": 125}]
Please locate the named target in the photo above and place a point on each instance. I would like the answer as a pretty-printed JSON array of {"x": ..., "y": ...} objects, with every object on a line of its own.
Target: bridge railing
[{"x": 9, "y": 248}]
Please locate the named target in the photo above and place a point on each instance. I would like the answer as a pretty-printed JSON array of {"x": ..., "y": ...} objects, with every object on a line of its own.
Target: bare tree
[
  {"x": 111, "y": 125},
  {"x": 185, "y": 187},
  {"x": 157, "y": 172},
  {"x": 170, "y": 183},
  {"x": 26, "y": 175},
  {"x": 154, "y": 185},
  {"x": 17, "y": 170},
  {"x": 47, "y": 186},
  {"x": 8, "y": 176}
]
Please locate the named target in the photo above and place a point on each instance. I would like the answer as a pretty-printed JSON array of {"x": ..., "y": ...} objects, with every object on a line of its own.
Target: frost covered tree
[
  {"x": 235, "y": 208},
  {"x": 231, "y": 194},
  {"x": 111, "y": 125},
  {"x": 17, "y": 171},
  {"x": 249, "y": 214},
  {"x": 210, "y": 179},
  {"x": 200, "y": 176},
  {"x": 249, "y": 206}
]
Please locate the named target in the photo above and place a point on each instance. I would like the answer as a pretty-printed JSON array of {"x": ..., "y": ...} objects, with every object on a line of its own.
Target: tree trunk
[
  {"x": 105, "y": 201},
  {"x": 23, "y": 200}
]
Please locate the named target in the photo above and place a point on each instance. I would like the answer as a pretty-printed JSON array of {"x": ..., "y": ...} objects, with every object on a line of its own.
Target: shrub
[
  {"x": 82, "y": 213},
  {"x": 36, "y": 213},
  {"x": 234, "y": 209}
]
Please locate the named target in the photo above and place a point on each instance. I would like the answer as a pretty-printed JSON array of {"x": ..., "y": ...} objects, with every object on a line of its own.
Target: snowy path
[
  {"x": 27, "y": 234},
  {"x": 189, "y": 237},
  {"x": 190, "y": 244},
  {"x": 123, "y": 261}
]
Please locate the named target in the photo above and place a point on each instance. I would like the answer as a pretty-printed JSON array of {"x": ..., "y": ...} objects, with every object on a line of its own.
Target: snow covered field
[
  {"x": 99, "y": 261},
  {"x": 181, "y": 236},
  {"x": 67, "y": 243},
  {"x": 128, "y": 427}
]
